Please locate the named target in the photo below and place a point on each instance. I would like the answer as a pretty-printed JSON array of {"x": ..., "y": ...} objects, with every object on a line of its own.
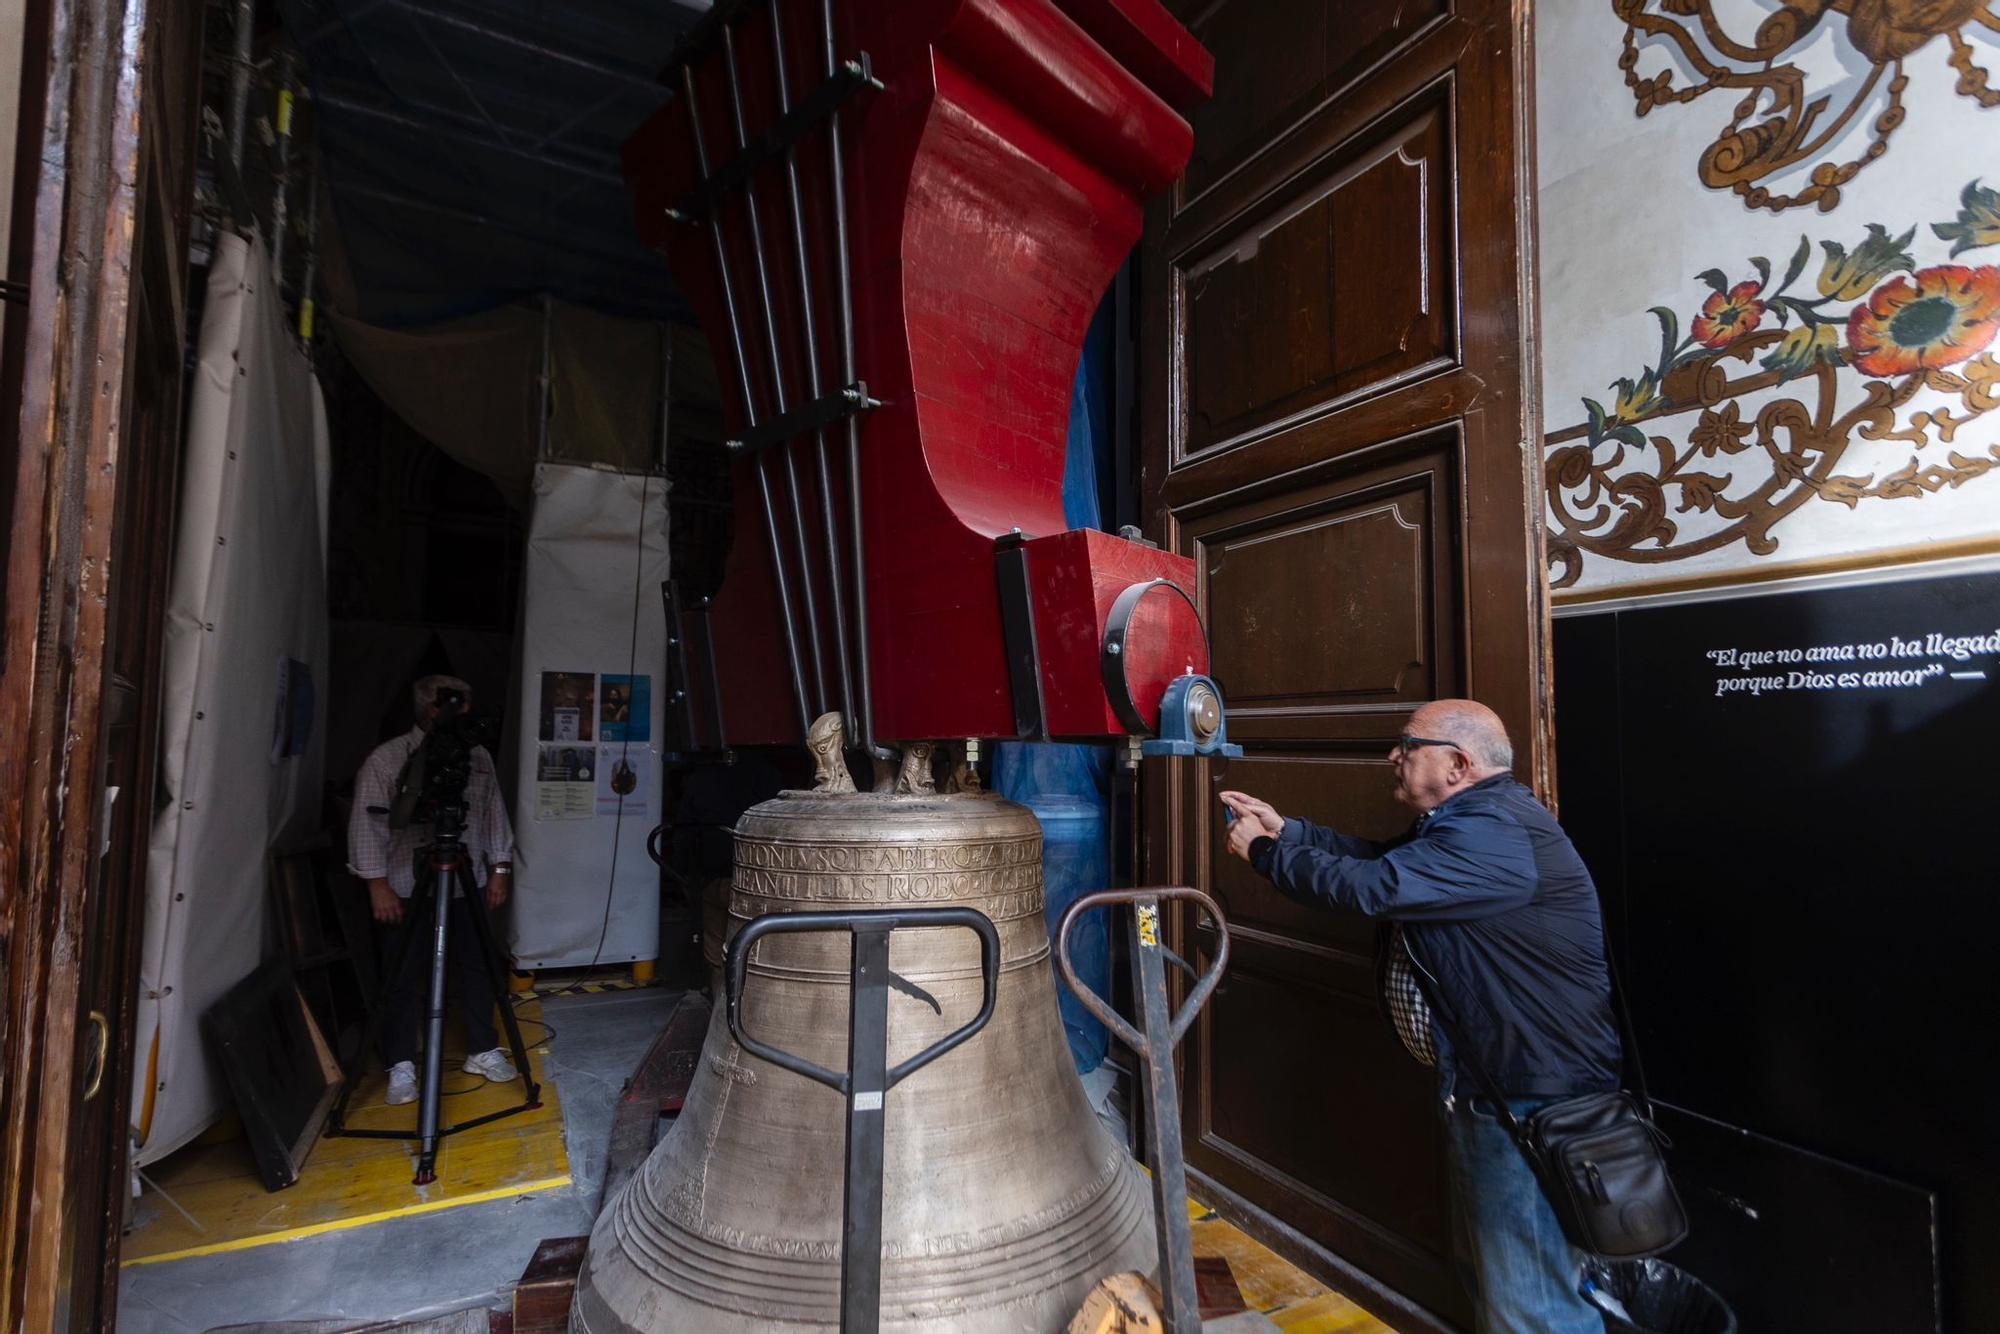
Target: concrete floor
[{"x": 410, "y": 1267}]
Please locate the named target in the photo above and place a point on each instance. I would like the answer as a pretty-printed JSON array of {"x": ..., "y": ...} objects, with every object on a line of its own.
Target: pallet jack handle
[
  {"x": 868, "y": 1077},
  {"x": 1153, "y": 1040}
]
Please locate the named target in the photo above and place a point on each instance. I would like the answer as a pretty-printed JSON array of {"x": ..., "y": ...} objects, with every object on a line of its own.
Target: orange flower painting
[
  {"x": 1938, "y": 317},
  {"x": 1727, "y": 316},
  {"x": 1747, "y": 412}
]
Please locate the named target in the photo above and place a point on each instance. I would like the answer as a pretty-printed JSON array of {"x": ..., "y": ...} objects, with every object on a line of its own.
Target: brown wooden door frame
[
  {"x": 102, "y": 202},
  {"x": 1454, "y": 429}
]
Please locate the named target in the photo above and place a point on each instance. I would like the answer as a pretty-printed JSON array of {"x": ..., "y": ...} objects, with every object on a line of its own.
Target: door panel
[
  {"x": 1275, "y": 62},
  {"x": 102, "y": 241},
  {"x": 1298, "y": 1152},
  {"x": 1336, "y": 426},
  {"x": 1335, "y": 598},
  {"x": 1338, "y": 285}
]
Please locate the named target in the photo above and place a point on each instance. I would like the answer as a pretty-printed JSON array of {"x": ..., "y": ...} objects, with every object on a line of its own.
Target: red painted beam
[{"x": 995, "y": 184}]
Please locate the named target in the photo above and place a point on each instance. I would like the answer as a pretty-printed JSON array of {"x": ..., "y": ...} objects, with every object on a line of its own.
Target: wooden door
[
  {"x": 92, "y": 384},
  {"x": 1338, "y": 428}
]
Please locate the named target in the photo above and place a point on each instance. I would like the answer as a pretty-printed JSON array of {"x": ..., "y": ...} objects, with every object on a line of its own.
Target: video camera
[{"x": 431, "y": 788}]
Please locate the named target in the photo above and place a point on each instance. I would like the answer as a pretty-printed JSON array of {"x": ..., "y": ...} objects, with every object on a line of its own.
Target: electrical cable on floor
[
  {"x": 625, "y": 744},
  {"x": 154, "y": 1186},
  {"x": 549, "y": 1033}
]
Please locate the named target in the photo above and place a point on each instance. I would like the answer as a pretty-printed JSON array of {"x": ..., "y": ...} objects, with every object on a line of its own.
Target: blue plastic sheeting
[{"x": 1065, "y": 785}]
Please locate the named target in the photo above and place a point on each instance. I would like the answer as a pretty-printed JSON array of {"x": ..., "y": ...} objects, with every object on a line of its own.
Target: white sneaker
[
  {"x": 494, "y": 1065},
  {"x": 402, "y": 1083}
]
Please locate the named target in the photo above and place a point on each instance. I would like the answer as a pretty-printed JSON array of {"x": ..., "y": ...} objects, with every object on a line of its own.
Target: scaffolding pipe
[
  {"x": 280, "y": 193},
  {"x": 241, "y": 85},
  {"x": 350, "y": 106},
  {"x": 309, "y": 278},
  {"x": 544, "y": 385},
  {"x": 633, "y": 79}
]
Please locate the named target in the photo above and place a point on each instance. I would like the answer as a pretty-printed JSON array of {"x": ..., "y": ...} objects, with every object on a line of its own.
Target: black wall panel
[{"x": 1802, "y": 884}]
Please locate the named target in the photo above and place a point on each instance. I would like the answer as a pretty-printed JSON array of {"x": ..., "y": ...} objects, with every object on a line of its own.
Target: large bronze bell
[{"x": 1004, "y": 1199}]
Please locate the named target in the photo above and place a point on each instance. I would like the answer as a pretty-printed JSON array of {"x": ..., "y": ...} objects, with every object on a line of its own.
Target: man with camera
[
  {"x": 1487, "y": 896},
  {"x": 385, "y": 856}
]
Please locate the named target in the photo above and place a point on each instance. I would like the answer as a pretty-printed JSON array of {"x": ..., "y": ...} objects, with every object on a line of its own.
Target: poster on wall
[
  {"x": 563, "y": 782},
  {"x": 566, "y": 706},
  {"x": 622, "y": 788},
  {"x": 625, "y": 708}
]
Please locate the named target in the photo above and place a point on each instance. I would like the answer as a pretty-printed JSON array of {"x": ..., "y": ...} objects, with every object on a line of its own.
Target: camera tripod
[{"x": 444, "y": 876}]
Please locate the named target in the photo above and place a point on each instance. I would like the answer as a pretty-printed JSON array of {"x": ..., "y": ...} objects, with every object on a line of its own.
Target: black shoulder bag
[{"x": 1598, "y": 1156}]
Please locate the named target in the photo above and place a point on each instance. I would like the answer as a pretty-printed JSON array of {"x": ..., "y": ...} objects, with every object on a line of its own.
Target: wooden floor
[
  {"x": 207, "y": 1198},
  {"x": 1295, "y": 1301}
]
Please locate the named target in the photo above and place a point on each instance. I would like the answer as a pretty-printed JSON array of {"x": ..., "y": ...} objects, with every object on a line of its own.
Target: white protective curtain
[
  {"x": 589, "y": 707},
  {"x": 245, "y": 681}
]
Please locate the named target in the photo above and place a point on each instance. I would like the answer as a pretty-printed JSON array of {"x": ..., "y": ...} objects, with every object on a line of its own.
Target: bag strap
[
  {"x": 1428, "y": 984},
  {"x": 1487, "y": 1085},
  {"x": 1628, "y": 1039}
]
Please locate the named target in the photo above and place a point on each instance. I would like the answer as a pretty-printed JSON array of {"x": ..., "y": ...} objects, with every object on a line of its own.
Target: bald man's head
[{"x": 1472, "y": 727}]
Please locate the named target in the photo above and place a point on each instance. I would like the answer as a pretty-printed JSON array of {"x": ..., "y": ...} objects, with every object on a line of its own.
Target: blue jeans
[{"x": 1523, "y": 1273}]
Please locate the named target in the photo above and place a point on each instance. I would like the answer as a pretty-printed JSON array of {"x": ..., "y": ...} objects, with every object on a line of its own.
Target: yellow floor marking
[
  {"x": 1331, "y": 1314},
  {"x": 353, "y": 1182},
  {"x": 360, "y": 1220},
  {"x": 1294, "y": 1300}
]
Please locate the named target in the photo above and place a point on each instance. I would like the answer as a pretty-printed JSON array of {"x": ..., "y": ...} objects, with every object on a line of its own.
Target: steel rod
[
  {"x": 810, "y": 334},
  {"x": 430, "y": 128},
  {"x": 844, "y": 303},
  {"x": 541, "y": 50},
  {"x": 695, "y": 42},
  {"x": 806, "y": 581},
  {"x": 749, "y": 413},
  {"x": 623, "y": 261},
  {"x": 793, "y": 125}
]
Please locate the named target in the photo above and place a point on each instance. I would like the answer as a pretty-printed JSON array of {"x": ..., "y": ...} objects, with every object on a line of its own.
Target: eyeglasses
[{"x": 1407, "y": 743}]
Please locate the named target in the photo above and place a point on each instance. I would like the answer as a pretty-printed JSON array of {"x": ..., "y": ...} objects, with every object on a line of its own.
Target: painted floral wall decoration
[
  {"x": 1780, "y": 122},
  {"x": 1750, "y": 414}
]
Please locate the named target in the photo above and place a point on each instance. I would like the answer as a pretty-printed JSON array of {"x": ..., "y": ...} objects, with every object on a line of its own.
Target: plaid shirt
[
  {"x": 1408, "y": 1009},
  {"x": 375, "y": 851}
]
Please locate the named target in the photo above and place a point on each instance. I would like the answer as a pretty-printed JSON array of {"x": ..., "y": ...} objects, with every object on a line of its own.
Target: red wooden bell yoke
[{"x": 992, "y": 183}]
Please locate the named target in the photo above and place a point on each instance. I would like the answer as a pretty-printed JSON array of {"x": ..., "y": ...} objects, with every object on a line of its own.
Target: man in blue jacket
[{"x": 1486, "y": 894}]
